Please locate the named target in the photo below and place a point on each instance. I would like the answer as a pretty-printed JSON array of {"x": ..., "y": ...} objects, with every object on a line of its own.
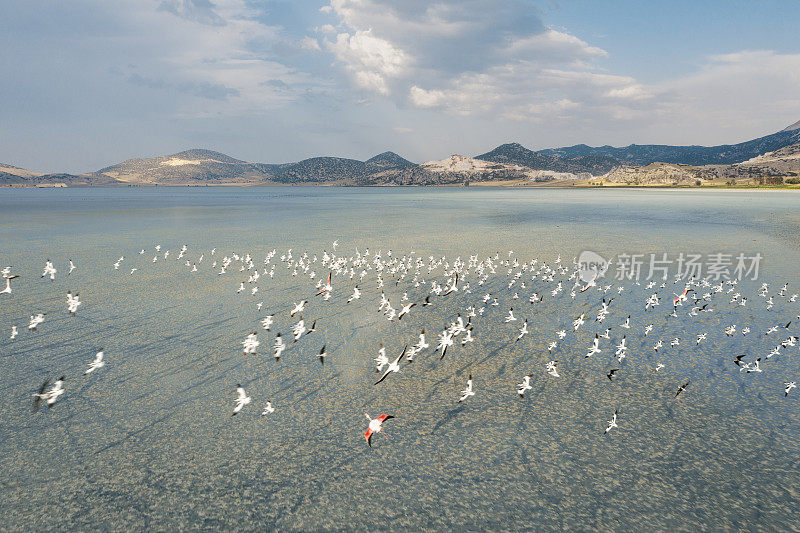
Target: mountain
[
  {"x": 772, "y": 157},
  {"x": 516, "y": 154},
  {"x": 16, "y": 172},
  {"x": 320, "y": 170},
  {"x": 189, "y": 167},
  {"x": 388, "y": 160},
  {"x": 206, "y": 167},
  {"x": 688, "y": 155},
  {"x": 11, "y": 176},
  {"x": 772, "y": 168},
  {"x": 792, "y": 127}
]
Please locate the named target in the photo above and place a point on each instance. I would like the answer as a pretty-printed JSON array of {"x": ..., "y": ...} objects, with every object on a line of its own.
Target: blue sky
[{"x": 87, "y": 83}]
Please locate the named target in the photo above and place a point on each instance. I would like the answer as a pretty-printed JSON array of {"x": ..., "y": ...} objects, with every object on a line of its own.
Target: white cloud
[
  {"x": 554, "y": 45},
  {"x": 370, "y": 59},
  {"x": 309, "y": 43},
  {"x": 630, "y": 92},
  {"x": 186, "y": 43},
  {"x": 470, "y": 57},
  {"x": 423, "y": 98},
  {"x": 740, "y": 93}
]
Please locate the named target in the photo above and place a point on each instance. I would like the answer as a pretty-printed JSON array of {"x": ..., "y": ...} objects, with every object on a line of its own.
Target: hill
[
  {"x": 388, "y": 160},
  {"x": 516, "y": 154},
  {"x": 688, "y": 155},
  {"x": 768, "y": 157},
  {"x": 184, "y": 168}
]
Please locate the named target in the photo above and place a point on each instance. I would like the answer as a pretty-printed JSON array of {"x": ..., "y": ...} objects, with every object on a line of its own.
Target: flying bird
[
  {"x": 375, "y": 426},
  {"x": 242, "y": 399}
]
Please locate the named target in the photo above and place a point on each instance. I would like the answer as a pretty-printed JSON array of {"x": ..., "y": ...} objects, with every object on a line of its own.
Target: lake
[{"x": 148, "y": 441}]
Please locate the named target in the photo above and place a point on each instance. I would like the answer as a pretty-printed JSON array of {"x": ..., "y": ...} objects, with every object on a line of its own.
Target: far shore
[{"x": 520, "y": 184}]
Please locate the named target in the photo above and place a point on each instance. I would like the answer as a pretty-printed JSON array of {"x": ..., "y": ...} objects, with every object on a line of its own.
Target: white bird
[
  {"x": 445, "y": 341},
  {"x": 96, "y": 363},
  {"x": 595, "y": 347},
  {"x": 49, "y": 396},
  {"x": 613, "y": 422},
  {"x": 73, "y": 301},
  {"x": 422, "y": 344},
  {"x": 298, "y": 308},
  {"x": 268, "y": 409},
  {"x": 242, "y": 399},
  {"x": 394, "y": 366},
  {"x": 552, "y": 370},
  {"x": 511, "y": 317},
  {"x": 405, "y": 309},
  {"x": 250, "y": 343},
  {"x": 467, "y": 392},
  {"x": 266, "y": 322},
  {"x": 35, "y": 321},
  {"x": 789, "y": 386},
  {"x": 49, "y": 270},
  {"x": 7, "y": 290},
  {"x": 14, "y": 332},
  {"x": 298, "y": 329},
  {"x": 523, "y": 331},
  {"x": 356, "y": 294},
  {"x": 467, "y": 338},
  {"x": 279, "y": 346},
  {"x": 71, "y": 267},
  {"x": 524, "y": 386}
]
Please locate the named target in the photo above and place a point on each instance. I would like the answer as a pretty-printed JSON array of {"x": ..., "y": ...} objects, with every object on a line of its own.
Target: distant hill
[
  {"x": 770, "y": 156},
  {"x": 645, "y": 154},
  {"x": 516, "y": 154},
  {"x": 11, "y": 170},
  {"x": 188, "y": 167},
  {"x": 388, "y": 160},
  {"x": 320, "y": 169},
  {"x": 792, "y": 127},
  {"x": 783, "y": 163}
]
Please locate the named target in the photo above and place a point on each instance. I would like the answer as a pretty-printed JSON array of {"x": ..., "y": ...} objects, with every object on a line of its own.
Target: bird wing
[
  {"x": 402, "y": 354},
  {"x": 386, "y": 373},
  {"x": 384, "y": 417},
  {"x": 39, "y": 395},
  {"x": 368, "y": 436}
]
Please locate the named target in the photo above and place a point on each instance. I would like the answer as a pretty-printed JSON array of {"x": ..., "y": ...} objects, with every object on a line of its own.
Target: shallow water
[{"x": 148, "y": 440}]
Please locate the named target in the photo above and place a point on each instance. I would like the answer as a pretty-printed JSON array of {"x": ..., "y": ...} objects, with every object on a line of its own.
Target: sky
[{"x": 88, "y": 83}]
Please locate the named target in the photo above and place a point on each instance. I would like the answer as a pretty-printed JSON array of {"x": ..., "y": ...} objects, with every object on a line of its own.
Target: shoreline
[{"x": 473, "y": 185}]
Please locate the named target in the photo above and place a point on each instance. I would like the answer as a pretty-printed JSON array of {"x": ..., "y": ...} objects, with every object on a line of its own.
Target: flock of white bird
[{"x": 435, "y": 280}]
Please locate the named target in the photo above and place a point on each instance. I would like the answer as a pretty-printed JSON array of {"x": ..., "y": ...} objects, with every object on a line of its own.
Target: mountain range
[{"x": 768, "y": 156}]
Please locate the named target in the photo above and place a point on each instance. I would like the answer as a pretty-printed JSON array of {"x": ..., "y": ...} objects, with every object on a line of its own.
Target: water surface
[{"x": 148, "y": 440}]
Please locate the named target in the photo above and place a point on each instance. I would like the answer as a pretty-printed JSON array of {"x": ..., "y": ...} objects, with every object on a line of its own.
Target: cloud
[
  {"x": 221, "y": 51},
  {"x": 740, "y": 92},
  {"x": 201, "y": 11},
  {"x": 370, "y": 59},
  {"x": 309, "y": 43},
  {"x": 469, "y": 57}
]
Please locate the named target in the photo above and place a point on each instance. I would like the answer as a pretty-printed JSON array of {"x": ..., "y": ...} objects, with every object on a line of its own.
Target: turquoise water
[{"x": 148, "y": 441}]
